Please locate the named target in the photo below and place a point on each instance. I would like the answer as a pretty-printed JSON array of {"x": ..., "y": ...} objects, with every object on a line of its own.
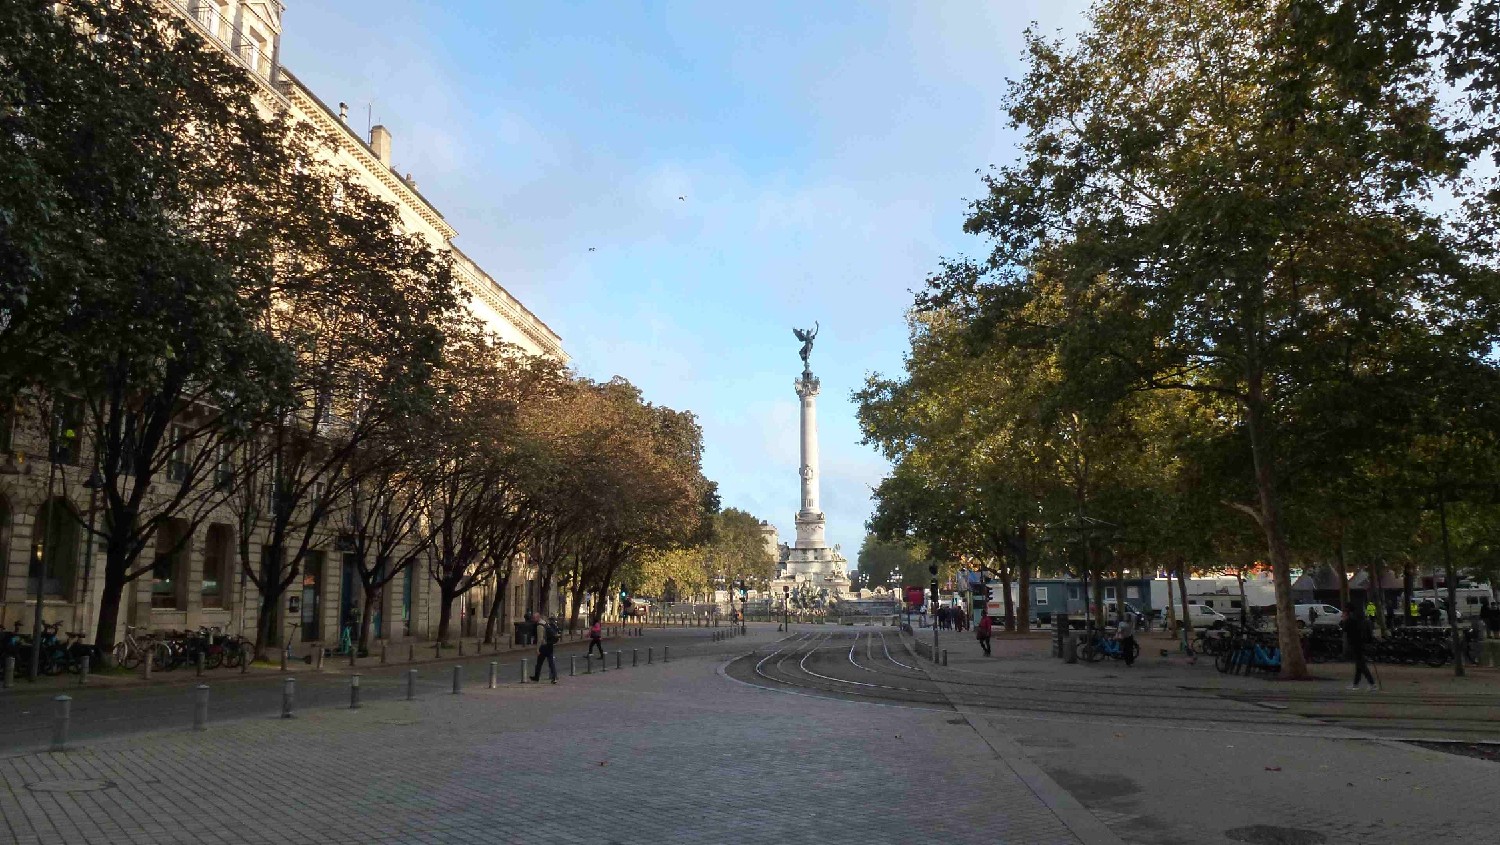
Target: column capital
[{"x": 807, "y": 385}]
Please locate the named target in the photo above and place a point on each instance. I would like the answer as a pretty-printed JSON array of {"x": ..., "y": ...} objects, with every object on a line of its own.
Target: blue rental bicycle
[
  {"x": 1100, "y": 646},
  {"x": 1248, "y": 655}
]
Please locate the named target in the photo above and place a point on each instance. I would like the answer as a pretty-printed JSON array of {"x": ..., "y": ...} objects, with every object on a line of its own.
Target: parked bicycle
[{"x": 1100, "y": 645}]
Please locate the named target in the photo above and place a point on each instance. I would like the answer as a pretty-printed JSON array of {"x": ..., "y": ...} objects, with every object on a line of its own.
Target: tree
[{"x": 1215, "y": 209}]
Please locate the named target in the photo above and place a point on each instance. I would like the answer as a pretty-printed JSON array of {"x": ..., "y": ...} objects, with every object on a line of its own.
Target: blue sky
[{"x": 825, "y": 151}]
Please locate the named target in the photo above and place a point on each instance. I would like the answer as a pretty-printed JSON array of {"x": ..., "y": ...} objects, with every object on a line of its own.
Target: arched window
[
  {"x": 55, "y": 544},
  {"x": 166, "y": 568}
]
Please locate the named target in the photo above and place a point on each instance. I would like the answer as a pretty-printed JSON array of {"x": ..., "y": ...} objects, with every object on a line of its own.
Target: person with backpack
[
  {"x": 596, "y": 640},
  {"x": 983, "y": 632},
  {"x": 547, "y": 636}
]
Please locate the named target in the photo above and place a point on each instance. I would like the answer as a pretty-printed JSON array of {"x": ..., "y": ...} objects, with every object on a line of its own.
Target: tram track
[{"x": 861, "y": 666}]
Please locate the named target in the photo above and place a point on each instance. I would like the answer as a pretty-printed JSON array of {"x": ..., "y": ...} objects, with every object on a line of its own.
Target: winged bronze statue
[{"x": 806, "y": 336}]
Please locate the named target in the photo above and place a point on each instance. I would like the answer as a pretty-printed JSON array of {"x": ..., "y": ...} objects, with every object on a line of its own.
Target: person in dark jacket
[
  {"x": 983, "y": 633},
  {"x": 1356, "y": 632}
]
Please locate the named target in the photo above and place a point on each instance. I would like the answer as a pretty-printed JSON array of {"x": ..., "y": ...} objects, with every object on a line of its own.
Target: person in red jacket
[
  {"x": 983, "y": 632},
  {"x": 596, "y": 639}
]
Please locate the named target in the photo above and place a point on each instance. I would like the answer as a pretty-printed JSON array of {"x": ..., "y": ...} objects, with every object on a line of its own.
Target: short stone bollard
[
  {"x": 573, "y": 666},
  {"x": 945, "y": 657},
  {"x": 460, "y": 648},
  {"x": 354, "y": 692},
  {"x": 524, "y": 676},
  {"x": 382, "y": 654},
  {"x": 650, "y": 654},
  {"x": 494, "y": 674},
  {"x": 617, "y": 660},
  {"x": 666, "y": 654},
  {"x": 603, "y": 660},
  {"x": 198, "y": 664},
  {"x": 353, "y": 653},
  {"x": 437, "y": 649},
  {"x": 200, "y": 708},
  {"x": 411, "y": 684},
  {"x": 60, "y": 722},
  {"x": 458, "y": 679},
  {"x": 288, "y": 692},
  {"x": 635, "y": 657},
  {"x": 588, "y": 664},
  {"x": 411, "y": 652},
  {"x": 83, "y": 670},
  {"x": 9, "y": 677}
]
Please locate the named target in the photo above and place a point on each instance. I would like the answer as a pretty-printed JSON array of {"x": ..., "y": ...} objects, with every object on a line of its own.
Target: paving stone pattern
[{"x": 662, "y": 754}]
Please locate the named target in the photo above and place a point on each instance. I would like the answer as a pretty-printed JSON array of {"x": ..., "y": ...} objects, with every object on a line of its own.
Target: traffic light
[{"x": 989, "y": 592}]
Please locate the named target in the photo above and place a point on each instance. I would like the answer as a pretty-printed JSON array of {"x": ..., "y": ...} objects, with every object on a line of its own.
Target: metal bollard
[
  {"x": 244, "y": 660},
  {"x": 458, "y": 679},
  {"x": 945, "y": 657},
  {"x": 10, "y": 673},
  {"x": 635, "y": 657},
  {"x": 603, "y": 660},
  {"x": 288, "y": 691},
  {"x": 588, "y": 664},
  {"x": 198, "y": 664},
  {"x": 460, "y": 648},
  {"x": 650, "y": 654},
  {"x": 411, "y": 684},
  {"x": 617, "y": 660},
  {"x": 382, "y": 653},
  {"x": 573, "y": 666},
  {"x": 354, "y": 691},
  {"x": 200, "y": 708},
  {"x": 494, "y": 674},
  {"x": 437, "y": 650},
  {"x": 146, "y": 665},
  {"x": 83, "y": 670},
  {"x": 666, "y": 654},
  {"x": 524, "y": 676},
  {"x": 60, "y": 722},
  {"x": 353, "y": 653},
  {"x": 411, "y": 652},
  {"x": 283, "y": 659}
]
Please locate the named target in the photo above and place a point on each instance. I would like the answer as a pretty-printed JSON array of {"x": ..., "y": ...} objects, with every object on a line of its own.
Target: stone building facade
[{"x": 203, "y": 583}]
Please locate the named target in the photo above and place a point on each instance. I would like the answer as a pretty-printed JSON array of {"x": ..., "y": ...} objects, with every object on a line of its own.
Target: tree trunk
[
  {"x": 1186, "y": 620},
  {"x": 1452, "y": 578},
  {"x": 267, "y": 632},
  {"x": 265, "y": 626},
  {"x": 575, "y": 602},
  {"x": 543, "y": 594},
  {"x": 1292, "y": 664},
  {"x": 445, "y": 611},
  {"x": 1406, "y": 590},
  {"x": 1010, "y": 610},
  {"x": 109, "y": 600},
  {"x": 1023, "y": 577},
  {"x": 497, "y": 615},
  {"x": 367, "y": 620}
]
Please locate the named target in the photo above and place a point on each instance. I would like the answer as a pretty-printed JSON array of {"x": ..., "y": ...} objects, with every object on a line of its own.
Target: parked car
[
  {"x": 1203, "y": 616},
  {"x": 1328, "y": 615}
]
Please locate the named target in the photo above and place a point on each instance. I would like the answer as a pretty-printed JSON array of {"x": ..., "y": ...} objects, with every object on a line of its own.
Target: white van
[
  {"x": 1202, "y": 616},
  {"x": 1327, "y": 615}
]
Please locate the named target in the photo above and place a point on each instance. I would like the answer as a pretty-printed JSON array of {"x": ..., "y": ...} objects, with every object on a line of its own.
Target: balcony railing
[{"x": 222, "y": 31}]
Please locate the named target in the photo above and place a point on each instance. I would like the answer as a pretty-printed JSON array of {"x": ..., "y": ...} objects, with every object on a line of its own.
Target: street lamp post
[{"x": 786, "y": 607}]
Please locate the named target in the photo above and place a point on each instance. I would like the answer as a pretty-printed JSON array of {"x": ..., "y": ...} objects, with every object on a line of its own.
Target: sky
[{"x": 737, "y": 169}]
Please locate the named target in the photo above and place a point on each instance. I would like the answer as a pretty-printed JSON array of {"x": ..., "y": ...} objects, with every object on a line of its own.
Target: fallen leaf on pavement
[{"x": 1273, "y": 768}]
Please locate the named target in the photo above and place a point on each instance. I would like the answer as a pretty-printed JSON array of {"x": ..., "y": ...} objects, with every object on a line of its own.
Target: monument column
[{"x": 809, "y": 517}]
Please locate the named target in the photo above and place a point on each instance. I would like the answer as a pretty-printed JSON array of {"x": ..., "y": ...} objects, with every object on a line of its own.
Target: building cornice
[
  {"x": 497, "y": 297},
  {"x": 325, "y": 119}
]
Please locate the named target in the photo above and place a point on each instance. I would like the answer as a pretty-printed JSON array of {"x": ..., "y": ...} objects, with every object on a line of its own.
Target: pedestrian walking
[
  {"x": 983, "y": 632},
  {"x": 1125, "y": 634},
  {"x": 596, "y": 639},
  {"x": 547, "y": 636},
  {"x": 1356, "y": 631}
]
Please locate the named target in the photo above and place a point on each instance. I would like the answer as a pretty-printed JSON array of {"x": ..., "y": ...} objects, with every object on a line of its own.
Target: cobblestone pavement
[
  {"x": 661, "y": 753},
  {"x": 1165, "y": 753}
]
